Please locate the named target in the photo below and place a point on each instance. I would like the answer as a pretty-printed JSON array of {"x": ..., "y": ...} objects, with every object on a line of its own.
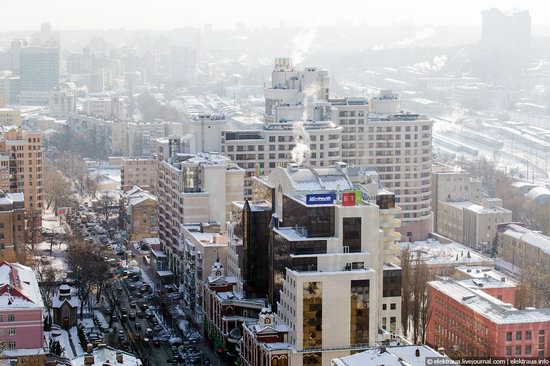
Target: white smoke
[
  {"x": 418, "y": 36},
  {"x": 301, "y": 43},
  {"x": 540, "y": 64},
  {"x": 437, "y": 64},
  {"x": 301, "y": 151}
]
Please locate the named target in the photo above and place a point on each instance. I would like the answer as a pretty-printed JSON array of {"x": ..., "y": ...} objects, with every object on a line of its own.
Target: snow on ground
[
  {"x": 63, "y": 339},
  {"x": 101, "y": 318},
  {"x": 76, "y": 341},
  {"x": 50, "y": 222}
]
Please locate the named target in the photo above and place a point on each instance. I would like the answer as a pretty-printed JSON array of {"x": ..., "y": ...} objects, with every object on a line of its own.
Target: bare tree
[
  {"x": 89, "y": 270},
  {"x": 107, "y": 203},
  {"x": 406, "y": 289}
]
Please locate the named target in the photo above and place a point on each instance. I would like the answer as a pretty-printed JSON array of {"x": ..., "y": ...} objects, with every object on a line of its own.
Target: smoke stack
[
  {"x": 89, "y": 360},
  {"x": 89, "y": 348},
  {"x": 293, "y": 167},
  {"x": 417, "y": 353},
  {"x": 119, "y": 357}
]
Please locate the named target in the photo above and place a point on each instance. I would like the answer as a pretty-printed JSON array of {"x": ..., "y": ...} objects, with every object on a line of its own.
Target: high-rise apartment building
[
  {"x": 297, "y": 125},
  {"x": 39, "y": 72},
  {"x": 23, "y": 150},
  {"x": 376, "y": 134},
  {"x": 10, "y": 117},
  {"x": 183, "y": 64},
  {"x": 192, "y": 189}
]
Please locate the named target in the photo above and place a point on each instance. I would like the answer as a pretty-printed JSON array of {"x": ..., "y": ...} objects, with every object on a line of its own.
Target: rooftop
[
  {"x": 107, "y": 355},
  {"x": 391, "y": 356},
  {"x": 530, "y": 237},
  {"x": 18, "y": 287},
  {"x": 433, "y": 252},
  {"x": 488, "y": 306},
  {"x": 476, "y": 207}
]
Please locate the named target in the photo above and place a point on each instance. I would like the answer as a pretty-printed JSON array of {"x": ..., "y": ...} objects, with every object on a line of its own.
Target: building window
[
  {"x": 384, "y": 306},
  {"x": 359, "y": 321},
  {"x": 528, "y": 335},
  {"x": 528, "y": 349},
  {"x": 352, "y": 234},
  {"x": 508, "y": 336},
  {"x": 392, "y": 306},
  {"x": 11, "y": 331},
  {"x": 518, "y": 350},
  {"x": 11, "y": 317},
  {"x": 518, "y": 336},
  {"x": 508, "y": 351},
  {"x": 313, "y": 315},
  {"x": 12, "y": 345}
]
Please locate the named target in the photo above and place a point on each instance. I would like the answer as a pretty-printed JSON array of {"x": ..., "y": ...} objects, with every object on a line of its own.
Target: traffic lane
[{"x": 159, "y": 354}]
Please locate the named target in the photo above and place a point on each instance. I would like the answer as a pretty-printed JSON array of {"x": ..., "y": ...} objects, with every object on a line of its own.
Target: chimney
[
  {"x": 417, "y": 353},
  {"x": 89, "y": 348},
  {"x": 119, "y": 357},
  {"x": 341, "y": 166},
  {"x": 503, "y": 279},
  {"x": 89, "y": 359},
  {"x": 293, "y": 167}
]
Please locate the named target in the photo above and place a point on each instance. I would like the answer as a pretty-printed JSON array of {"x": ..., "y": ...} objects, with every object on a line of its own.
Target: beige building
[
  {"x": 450, "y": 183},
  {"x": 524, "y": 248},
  {"x": 376, "y": 134},
  {"x": 141, "y": 172},
  {"x": 141, "y": 210},
  {"x": 472, "y": 223},
  {"x": 12, "y": 225},
  {"x": 26, "y": 168},
  {"x": 10, "y": 117},
  {"x": 192, "y": 189},
  {"x": 202, "y": 245}
]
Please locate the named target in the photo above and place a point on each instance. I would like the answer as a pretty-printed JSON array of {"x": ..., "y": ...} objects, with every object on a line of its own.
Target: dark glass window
[
  {"x": 386, "y": 201},
  {"x": 313, "y": 315},
  {"x": 317, "y": 220},
  {"x": 304, "y": 264},
  {"x": 352, "y": 234},
  {"x": 359, "y": 316},
  {"x": 391, "y": 285}
]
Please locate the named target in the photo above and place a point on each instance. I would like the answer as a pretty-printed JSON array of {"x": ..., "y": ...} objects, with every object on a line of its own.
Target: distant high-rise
[
  {"x": 183, "y": 65},
  {"x": 505, "y": 45},
  {"x": 506, "y": 31},
  {"x": 39, "y": 70}
]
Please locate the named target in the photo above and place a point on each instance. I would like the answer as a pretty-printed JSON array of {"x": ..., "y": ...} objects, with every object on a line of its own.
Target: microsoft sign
[{"x": 320, "y": 198}]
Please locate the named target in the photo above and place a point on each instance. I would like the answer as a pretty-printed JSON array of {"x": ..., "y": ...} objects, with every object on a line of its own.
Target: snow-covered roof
[
  {"x": 10, "y": 198},
  {"x": 18, "y": 287},
  {"x": 136, "y": 195},
  {"x": 103, "y": 355},
  {"x": 488, "y": 306},
  {"x": 538, "y": 193},
  {"x": 476, "y": 207},
  {"x": 433, "y": 252},
  {"x": 318, "y": 179},
  {"x": 528, "y": 236},
  {"x": 391, "y": 356}
]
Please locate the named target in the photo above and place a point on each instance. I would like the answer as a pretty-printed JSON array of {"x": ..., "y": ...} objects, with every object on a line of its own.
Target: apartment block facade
[
  {"x": 524, "y": 248},
  {"x": 141, "y": 172},
  {"x": 468, "y": 321},
  {"x": 192, "y": 189},
  {"x": 376, "y": 134}
]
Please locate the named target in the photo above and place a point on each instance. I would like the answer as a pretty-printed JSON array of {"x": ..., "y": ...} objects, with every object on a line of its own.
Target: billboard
[
  {"x": 320, "y": 198},
  {"x": 348, "y": 199}
]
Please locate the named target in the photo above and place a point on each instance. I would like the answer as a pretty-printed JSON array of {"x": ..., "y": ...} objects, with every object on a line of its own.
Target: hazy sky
[{"x": 169, "y": 14}]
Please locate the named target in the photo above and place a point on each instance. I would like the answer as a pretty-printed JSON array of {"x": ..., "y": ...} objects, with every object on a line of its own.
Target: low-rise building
[
  {"x": 524, "y": 248},
  {"x": 225, "y": 310},
  {"x": 451, "y": 183},
  {"x": 202, "y": 245},
  {"x": 416, "y": 355},
  {"x": 474, "y": 224},
  {"x": 12, "y": 226},
  {"x": 10, "y": 117},
  {"x": 466, "y": 320},
  {"x": 21, "y": 309},
  {"x": 65, "y": 307},
  {"x": 141, "y": 172},
  {"x": 104, "y": 355},
  {"x": 141, "y": 212}
]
